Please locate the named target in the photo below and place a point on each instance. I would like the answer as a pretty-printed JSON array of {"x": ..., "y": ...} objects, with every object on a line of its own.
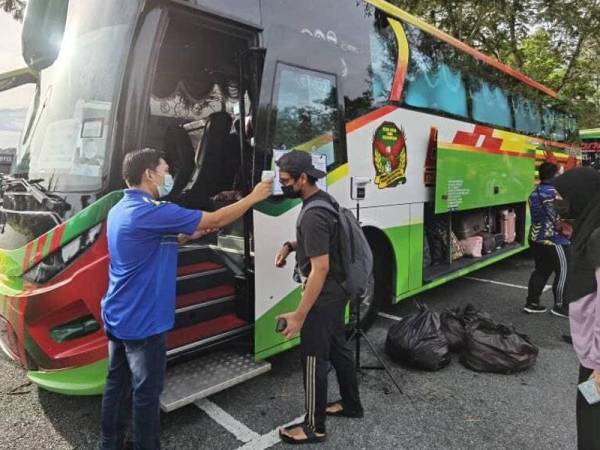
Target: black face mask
[{"x": 289, "y": 192}]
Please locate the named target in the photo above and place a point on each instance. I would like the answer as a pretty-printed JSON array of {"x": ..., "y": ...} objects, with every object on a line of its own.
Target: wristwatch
[{"x": 289, "y": 246}]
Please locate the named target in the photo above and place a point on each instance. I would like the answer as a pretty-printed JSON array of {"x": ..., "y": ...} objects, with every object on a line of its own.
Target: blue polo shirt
[{"x": 142, "y": 245}]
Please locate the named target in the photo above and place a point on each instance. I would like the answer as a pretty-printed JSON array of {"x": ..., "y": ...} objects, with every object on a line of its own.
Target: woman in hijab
[{"x": 580, "y": 189}]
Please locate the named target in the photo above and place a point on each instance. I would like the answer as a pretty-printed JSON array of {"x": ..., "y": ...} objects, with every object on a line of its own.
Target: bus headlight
[{"x": 60, "y": 259}]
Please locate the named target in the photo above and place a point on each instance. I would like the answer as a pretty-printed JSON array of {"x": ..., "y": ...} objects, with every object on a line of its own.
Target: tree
[
  {"x": 14, "y": 7},
  {"x": 553, "y": 41}
]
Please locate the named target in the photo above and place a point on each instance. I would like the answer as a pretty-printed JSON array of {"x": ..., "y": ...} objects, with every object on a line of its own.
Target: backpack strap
[{"x": 323, "y": 204}]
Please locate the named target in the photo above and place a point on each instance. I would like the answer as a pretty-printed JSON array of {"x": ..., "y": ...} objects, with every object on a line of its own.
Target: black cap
[{"x": 299, "y": 162}]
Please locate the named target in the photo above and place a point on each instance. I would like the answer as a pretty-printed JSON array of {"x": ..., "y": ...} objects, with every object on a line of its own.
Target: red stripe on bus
[
  {"x": 368, "y": 118},
  {"x": 40, "y": 249},
  {"x": 56, "y": 238},
  {"x": 27, "y": 256},
  {"x": 20, "y": 311}
]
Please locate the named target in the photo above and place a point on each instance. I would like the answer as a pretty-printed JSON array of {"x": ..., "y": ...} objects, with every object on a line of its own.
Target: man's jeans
[{"x": 136, "y": 373}]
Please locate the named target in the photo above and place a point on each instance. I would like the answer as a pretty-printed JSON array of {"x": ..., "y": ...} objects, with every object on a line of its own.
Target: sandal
[
  {"x": 311, "y": 437},
  {"x": 343, "y": 413}
]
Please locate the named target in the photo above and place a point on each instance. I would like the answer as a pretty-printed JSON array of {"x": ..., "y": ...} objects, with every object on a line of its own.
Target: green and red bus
[{"x": 437, "y": 133}]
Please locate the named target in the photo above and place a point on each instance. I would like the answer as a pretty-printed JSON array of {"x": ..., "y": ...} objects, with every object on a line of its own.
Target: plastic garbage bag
[
  {"x": 453, "y": 328},
  {"x": 453, "y": 322},
  {"x": 418, "y": 341},
  {"x": 493, "y": 347}
]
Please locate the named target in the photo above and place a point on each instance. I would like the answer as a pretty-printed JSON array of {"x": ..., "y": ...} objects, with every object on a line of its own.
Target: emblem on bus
[{"x": 389, "y": 155}]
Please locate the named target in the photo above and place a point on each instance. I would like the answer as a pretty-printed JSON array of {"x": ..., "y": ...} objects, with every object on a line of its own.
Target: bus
[
  {"x": 438, "y": 136},
  {"x": 590, "y": 147}
]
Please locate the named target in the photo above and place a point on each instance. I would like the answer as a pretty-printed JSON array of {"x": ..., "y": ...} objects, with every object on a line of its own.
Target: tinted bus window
[
  {"x": 558, "y": 125},
  {"x": 305, "y": 112},
  {"x": 490, "y": 104},
  {"x": 384, "y": 54},
  {"x": 434, "y": 80},
  {"x": 528, "y": 116}
]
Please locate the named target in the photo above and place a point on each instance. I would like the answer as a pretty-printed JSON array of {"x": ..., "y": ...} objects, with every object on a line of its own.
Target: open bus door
[
  {"x": 201, "y": 88},
  {"x": 317, "y": 129}
]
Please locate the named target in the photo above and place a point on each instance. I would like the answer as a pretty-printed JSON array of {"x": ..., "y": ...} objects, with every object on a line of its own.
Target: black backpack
[{"x": 356, "y": 257}]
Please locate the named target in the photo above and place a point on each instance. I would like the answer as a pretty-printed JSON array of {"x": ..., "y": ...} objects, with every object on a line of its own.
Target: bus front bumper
[{"x": 85, "y": 380}]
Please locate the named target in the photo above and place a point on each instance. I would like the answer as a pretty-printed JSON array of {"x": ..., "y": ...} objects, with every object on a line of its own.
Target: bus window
[
  {"x": 306, "y": 115},
  {"x": 72, "y": 133},
  {"x": 434, "y": 80},
  {"x": 528, "y": 117},
  {"x": 490, "y": 104},
  {"x": 384, "y": 53},
  {"x": 553, "y": 124}
]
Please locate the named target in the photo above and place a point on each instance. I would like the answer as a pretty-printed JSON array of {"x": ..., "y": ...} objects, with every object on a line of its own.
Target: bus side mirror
[{"x": 43, "y": 30}]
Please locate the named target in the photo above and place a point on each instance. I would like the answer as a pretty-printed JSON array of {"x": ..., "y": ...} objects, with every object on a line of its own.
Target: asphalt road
[{"x": 450, "y": 409}]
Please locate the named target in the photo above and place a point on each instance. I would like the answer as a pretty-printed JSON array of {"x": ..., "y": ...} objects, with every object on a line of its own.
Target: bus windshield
[{"x": 70, "y": 133}]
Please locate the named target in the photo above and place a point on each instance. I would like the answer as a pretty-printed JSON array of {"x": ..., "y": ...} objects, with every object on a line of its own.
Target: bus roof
[
  {"x": 591, "y": 133},
  {"x": 403, "y": 15}
]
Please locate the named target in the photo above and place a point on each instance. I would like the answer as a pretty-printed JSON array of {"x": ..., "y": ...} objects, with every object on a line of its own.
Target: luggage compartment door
[{"x": 484, "y": 168}]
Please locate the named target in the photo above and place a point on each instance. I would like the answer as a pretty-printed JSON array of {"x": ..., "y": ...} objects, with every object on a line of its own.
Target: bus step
[
  {"x": 205, "y": 311},
  {"x": 190, "y": 381},
  {"x": 201, "y": 281},
  {"x": 205, "y": 266},
  {"x": 199, "y": 297},
  {"x": 181, "y": 339},
  {"x": 191, "y": 254}
]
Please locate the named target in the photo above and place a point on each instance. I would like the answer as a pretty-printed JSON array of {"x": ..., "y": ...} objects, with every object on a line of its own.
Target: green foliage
[{"x": 555, "y": 42}]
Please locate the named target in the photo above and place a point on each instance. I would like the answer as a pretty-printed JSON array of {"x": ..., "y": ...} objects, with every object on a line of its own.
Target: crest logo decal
[{"x": 389, "y": 155}]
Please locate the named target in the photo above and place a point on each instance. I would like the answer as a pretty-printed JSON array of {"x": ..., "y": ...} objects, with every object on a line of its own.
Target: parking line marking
[
  {"x": 238, "y": 429},
  {"x": 269, "y": 439},
  {"x": 389, "y": 316},
  {"x": 502, "y": 283}
]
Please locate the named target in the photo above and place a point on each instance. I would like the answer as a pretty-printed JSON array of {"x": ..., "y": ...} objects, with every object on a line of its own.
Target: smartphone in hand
[
  {"x": 281, "y": 325},
  {"x": 589, "y": 391}
]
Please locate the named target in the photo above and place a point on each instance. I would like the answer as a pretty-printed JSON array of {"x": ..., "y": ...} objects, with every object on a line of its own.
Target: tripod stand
[{"x": 358, "y": 333}]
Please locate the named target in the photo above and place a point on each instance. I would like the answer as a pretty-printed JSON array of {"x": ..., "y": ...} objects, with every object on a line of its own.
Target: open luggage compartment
[{"x": 457, "y": 239}]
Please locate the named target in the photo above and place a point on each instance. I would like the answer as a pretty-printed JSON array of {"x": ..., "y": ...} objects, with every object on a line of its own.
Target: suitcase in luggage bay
[
  {"x": 499, "y": 237},
  {"x": 489, "y": 242},
  {"x": 469, "y": 224},
  {"x": 472, "y": 246},
  {"x": 508, "y": 219}
]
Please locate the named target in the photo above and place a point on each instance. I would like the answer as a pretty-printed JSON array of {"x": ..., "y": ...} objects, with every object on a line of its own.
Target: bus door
[{"x": 304, "y": 116}]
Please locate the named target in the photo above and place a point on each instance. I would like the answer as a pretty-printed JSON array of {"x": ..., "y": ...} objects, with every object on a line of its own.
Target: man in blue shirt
[
  {"x": 139, "y": 306},
  {"x": 548, "y": 245}
]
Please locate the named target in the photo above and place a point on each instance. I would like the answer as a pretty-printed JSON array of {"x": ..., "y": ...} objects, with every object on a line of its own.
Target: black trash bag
[
  {"x": 454, "y": 321},
  {"x": 453, "y": 328},
  {"x": 493, "y": 347},
  {"x": 418, "y": 341}
]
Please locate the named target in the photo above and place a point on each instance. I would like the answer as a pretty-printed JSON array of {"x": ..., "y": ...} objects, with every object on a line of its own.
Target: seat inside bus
[{"x": 193, "y": 107}]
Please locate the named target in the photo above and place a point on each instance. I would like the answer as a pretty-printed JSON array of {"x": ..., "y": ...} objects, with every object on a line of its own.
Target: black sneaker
[
  {"x": 560, "y": 311},
  {"x": 534, "y": 308}
]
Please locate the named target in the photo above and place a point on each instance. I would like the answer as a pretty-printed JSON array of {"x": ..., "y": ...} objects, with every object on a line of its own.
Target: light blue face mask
[{"x": 167, "y": 186}]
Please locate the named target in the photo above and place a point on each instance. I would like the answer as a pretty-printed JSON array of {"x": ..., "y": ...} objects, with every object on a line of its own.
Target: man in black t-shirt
[{"x": 319, "y": 317}]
